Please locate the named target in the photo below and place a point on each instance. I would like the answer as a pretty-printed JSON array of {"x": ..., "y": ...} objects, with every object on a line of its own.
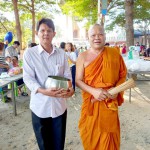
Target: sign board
[
  {"x": 104, "y": 11},
  {"x": 104, "y": 7}
]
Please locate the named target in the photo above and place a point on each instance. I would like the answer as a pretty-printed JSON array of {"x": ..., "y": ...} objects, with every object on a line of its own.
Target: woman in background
[
  {"x": 69, "y": 48},
  {"x": 19, "y": 82}
]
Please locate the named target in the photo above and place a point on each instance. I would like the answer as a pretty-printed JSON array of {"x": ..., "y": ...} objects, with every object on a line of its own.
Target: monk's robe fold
[{"x": 99, "y": 125}]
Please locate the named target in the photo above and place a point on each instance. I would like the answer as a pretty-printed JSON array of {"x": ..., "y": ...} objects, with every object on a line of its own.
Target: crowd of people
[
  {"x": 141, "y": 49},
  {"x": 93, "y": 70},
  {"x": 9, "y": 63}
]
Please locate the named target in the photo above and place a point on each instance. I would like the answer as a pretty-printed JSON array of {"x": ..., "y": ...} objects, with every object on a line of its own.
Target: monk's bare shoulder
[
  {"x": 83, "y": 57},
  {"x": 87, "y": 57}
]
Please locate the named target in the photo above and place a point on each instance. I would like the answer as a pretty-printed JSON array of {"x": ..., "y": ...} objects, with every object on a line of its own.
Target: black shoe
[
  {"x": 24, "y": 94},
  {"x": 7, "y": 99}
]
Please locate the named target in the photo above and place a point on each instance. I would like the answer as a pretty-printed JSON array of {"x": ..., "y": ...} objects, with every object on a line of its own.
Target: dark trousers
[
  {"x": 73, "y": 72},
  {"x": 50, "y": 132}
]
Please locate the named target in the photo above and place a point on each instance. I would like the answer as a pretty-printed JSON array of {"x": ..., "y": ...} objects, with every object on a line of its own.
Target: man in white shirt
[
  {"x": 11, "y": 50},
  {"x": 48, "y": 106}
]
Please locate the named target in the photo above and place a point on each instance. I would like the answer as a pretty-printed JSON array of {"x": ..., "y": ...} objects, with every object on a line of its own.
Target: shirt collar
[{"x": 41, "y": 50}]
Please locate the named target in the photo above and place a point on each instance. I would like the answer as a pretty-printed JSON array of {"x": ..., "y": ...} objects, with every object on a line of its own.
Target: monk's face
[{"x": 97, "y": 37}]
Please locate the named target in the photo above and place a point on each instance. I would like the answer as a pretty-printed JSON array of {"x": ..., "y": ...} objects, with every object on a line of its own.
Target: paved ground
[{"x": 17, "y": 134}]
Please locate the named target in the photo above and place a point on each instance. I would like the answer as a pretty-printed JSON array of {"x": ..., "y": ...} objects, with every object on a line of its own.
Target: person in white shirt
[
  {"x": 48, "y": 106},
  {"x": 137, "y": 47},
  {"x": 69, "y": 48},
  {"x": 11, "y": 50}
]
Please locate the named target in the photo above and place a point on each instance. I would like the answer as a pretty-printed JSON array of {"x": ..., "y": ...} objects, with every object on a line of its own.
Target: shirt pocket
[{"x": 59, "y": 70}]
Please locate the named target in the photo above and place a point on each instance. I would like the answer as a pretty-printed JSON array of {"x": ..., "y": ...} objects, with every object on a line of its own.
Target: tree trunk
[
  {"x": 33, "y": 22},
  {"x": 145, "y": 38},
  {"x": 148, "y": 38},
  {"x": 129, "y": 22},
  {"x": 18, "y": 26}
]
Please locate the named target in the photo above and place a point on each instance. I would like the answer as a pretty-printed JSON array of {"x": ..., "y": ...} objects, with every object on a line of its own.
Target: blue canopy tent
[{"x": 137, "y": 33}]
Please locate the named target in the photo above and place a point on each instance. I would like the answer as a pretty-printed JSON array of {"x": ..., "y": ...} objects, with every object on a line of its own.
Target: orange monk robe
[
  {"x": 99, "y": 125},
  {"x": 117, "y": 48}
]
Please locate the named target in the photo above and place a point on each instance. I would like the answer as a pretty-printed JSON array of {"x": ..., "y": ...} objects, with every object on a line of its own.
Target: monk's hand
[
  {"x": 100, "y": 94},
  {"x": 113, "y": 96}
]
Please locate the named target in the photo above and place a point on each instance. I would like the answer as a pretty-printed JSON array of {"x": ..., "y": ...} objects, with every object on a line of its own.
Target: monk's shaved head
[
  {"x": 101, "y": 28},
  {"x": 96, "y": 36}
]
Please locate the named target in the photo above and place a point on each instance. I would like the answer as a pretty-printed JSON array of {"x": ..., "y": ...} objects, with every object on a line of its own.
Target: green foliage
[
  {"x": 43, "y": 8},
  {"x": 5, "y": 26},
  {"x": 141, "y": 13},
  {"x": 142, "y": 10},
  {"x": 116, "y": 11},
  {"x": 81, "y": 9}
]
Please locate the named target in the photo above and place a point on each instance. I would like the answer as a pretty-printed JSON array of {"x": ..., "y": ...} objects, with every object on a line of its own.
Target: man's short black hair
[
  {"x": 46, "y": 21},
  {"x": 32, "y": 44},
  {"x": 16, "y": 57},
  {"x": 16, "y": 42},
  {"x": 62, "y": 45}
]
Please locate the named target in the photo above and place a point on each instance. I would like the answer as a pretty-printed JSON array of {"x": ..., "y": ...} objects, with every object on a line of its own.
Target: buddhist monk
[{"x": 99, "y": 69}]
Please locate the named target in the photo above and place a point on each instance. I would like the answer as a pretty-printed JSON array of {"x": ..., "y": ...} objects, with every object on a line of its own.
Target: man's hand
[
  {"x": 57, "y": 92},
  {"x": 67, "y": 93}
]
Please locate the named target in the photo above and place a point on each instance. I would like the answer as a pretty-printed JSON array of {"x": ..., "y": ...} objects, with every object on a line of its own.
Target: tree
[
  {"x": 18, "y": 26},
  {"x": 129, "y": 22},
  {"x": 142, "y": 18},
  {"x": 117, "y": 13},
  {"x": 87, "y": 9},
  {"x": 34, "y": 7},
  {"x": 29, "y": 11}
]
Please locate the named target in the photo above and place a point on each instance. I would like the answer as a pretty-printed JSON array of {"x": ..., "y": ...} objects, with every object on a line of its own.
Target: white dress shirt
[{"x": 37, "y": 66}]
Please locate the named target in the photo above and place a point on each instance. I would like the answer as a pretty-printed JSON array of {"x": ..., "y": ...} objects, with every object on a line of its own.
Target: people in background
[
  {"x": 48, "y": 105},
  {"x": 148, "y": 52},
  {"x": 12, "y": 50},
  {"x": 76, "y": 50},
  {"x": 62, "y": 45},
  {"x": 137, "y": 47},
  {"x": 4, "y": 67},
  {"x": 117, "y": 47},
  {"x": 107, "y": 44},
  {"x": 69, "y": 48},
  {"x": 124, "y": 49},
  {"x": 9, "y": 62},
  {"x": 99, "y": 69},
  {"x": 81, "y": 50},
  {"x": 19, "y": 82}
]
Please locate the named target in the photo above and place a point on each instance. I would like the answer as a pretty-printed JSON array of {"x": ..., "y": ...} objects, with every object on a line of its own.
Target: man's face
[
  {"x": 8, "y": 59},
  {"x": 16, "y": 45},
  {"x": 97, "y": 37},
  {"x": 45, "y": 34}
]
